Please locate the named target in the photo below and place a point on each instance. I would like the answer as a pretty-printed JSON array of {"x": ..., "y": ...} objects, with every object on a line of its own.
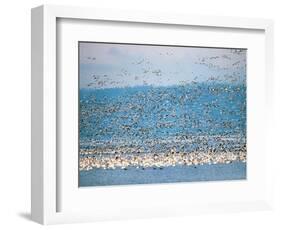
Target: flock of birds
[
  {"x": 160, "y": 161},
  {"x": 146, "y": 69},
  {"x": 189, "y": 124}
]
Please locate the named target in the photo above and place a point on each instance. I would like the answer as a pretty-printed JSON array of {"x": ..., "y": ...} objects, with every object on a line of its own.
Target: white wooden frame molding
[{"x": 44, "y": 166}]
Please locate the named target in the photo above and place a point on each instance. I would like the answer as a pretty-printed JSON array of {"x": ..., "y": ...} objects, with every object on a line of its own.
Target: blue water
[
  {"x": 138, "y": 115},
  {"x": 101, "y": 177},
  {"x": 146, "y": 119}
]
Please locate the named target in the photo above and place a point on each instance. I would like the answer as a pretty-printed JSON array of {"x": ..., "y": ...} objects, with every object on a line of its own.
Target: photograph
[{"x": 151, "y": 114}]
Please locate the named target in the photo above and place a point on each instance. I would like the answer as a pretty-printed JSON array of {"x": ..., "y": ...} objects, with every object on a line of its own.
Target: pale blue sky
[{"x": 104, "y": 65}]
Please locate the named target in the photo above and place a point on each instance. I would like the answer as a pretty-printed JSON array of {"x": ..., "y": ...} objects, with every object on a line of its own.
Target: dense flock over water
[{"x": 147, "y": 125}]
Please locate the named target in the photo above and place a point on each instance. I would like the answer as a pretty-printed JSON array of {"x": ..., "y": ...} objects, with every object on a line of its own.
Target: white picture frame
[{"x": 45, "y": 162}]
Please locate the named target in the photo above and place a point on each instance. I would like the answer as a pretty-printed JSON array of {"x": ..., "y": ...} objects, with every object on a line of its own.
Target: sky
[{"x": 109, "y": 65}]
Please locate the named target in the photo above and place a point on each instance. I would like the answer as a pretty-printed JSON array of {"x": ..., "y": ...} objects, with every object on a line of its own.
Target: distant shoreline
[{"x": 185, "y": 84}]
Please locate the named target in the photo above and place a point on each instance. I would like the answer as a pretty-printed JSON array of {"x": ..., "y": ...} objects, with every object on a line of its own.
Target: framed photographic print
[
  {"x": 137, "y": 114},
  {"x": 159, "y": 114}
]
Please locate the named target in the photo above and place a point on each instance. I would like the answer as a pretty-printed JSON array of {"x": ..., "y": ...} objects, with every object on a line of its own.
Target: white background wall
[{"x": 15, "y": 112}]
